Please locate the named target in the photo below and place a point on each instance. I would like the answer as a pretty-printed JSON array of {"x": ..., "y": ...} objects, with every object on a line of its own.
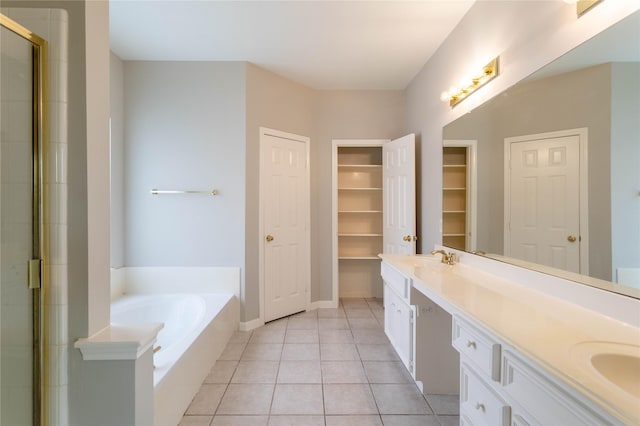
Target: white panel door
[
  {"x": 399, "y": 195},
  {"x": 285, "y": 200},
  {"x": 544, "y": 202}
]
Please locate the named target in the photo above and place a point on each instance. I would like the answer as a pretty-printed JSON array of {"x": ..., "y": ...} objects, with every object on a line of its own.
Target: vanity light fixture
[
  {"x": 582, "y": 5},
  {"x": 456, "y": 95}
]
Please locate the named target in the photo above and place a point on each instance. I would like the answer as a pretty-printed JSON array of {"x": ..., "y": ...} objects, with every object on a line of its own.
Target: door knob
[
  {"x": 571, "y": 238},
  {"x": 406, "y": 238},
  {"x": 269, "y": 238}
]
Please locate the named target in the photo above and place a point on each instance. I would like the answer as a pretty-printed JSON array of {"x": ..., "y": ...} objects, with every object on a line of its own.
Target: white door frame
[
  {"x": 582, "y": 134},
  {"x": 336, "y": 143},
  {"x": 472, "y": 188},
  {"x": 264, "y": 131}
]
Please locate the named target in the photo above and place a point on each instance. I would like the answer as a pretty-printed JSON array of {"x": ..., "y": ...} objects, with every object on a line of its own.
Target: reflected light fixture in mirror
[{"x": 455, "y": 95}]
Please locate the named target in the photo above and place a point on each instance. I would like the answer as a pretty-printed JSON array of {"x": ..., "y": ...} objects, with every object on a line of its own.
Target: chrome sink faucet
[{"x": 448, "y": 258}]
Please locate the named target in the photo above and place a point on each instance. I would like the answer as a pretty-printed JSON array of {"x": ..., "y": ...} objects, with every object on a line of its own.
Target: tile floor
[{"x": 329, "y": 367}]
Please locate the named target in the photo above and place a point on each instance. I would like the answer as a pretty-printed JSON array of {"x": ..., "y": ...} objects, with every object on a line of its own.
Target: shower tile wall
[{"x": 52, "y": 25}]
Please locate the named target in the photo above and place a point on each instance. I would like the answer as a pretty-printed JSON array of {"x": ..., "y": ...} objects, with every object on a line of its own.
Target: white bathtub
[{"x": 196, "y": 329}]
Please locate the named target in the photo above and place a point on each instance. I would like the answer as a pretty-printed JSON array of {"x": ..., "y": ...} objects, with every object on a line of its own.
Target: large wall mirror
[{"x": 558, "y": 165}]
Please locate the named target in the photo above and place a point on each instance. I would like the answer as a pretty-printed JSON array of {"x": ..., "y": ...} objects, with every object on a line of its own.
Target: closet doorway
[{"x": 373, "y": 210}]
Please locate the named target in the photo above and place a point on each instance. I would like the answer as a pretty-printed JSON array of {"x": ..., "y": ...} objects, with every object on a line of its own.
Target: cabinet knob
[
  {"x": 480, "y": 407},
  {"x": 471, "y": 344}
]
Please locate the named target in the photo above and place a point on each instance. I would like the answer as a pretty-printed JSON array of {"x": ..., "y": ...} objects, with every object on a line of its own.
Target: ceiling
[{"x": 336, "y": 44}]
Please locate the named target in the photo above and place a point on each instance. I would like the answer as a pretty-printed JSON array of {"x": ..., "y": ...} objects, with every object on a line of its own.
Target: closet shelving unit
[
  {"x": 359, "y": 211},
  {"x": 454, "y": 197}
]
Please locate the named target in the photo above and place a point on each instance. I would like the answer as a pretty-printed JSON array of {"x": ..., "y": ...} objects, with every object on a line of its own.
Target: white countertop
[{"x": 543, "y": 328}]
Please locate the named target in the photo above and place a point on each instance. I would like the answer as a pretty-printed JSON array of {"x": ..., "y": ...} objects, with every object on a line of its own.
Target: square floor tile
[
  {"x": 354, "y": 303},
  {"x": 333, "y": 323},
  {"x": 449, "y": 420},
  {"x": 336, "y": 336},
  {"x": 240, "y": 336},
  {"x": 349, "y": 399},
  {"x": 262, "y": 352},
  {"x": 240, "y": 421},
  {"x": 195, "y": 421},
  {"x": 308, "y": 314},
  {"x": 256, "y": 372},
  {"x": 302, "y": 323},
  {"x": 206, "y": 400},
  {"x": 301, "y": 352},
  {"x": 331, "y": 313},
  {"x": 386, "y": 372},
  {"x": 301, "y": 336},
  {"x": 444, "y": 404},
  {"x": 343, "y": 372},
  {"x": 297, "y": 399},
  {"x": 246, "y": 399},
  {"x": 400, "y": 399},
  {"x": 377, "y": 352},
  {"x": 268, "y": 335},
  {"x": 299, "y": 372},
  {"x": 233, "y": 351},
  {"x": 370, "y": 336},
  {"x": 221, "y": 372},
  {"x": 411, "y": 420},
  {"x": 359, "y": 313},
  {"x": 364, "y": 323},
  {"x": 363, "y": 420},
  {"x": 296, "y": 421},
  {"x": 339, "y": 352}
]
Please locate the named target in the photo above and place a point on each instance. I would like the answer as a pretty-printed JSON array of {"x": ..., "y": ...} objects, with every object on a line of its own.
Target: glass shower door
[{"x": 19, "y": 229}]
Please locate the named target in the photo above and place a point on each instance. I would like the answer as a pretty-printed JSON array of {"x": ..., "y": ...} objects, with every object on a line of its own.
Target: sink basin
[
  {"x": 621, "y": 370},
  {"x": 617, "y": 363}
]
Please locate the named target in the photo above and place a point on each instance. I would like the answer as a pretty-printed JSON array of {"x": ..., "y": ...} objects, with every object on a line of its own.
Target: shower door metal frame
[{"x": 39, "y": 253}]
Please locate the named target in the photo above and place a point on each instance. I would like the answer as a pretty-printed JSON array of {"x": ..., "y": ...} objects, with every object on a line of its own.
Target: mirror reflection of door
[
  {"x": 20, "y": 131},
  {"x": 543, "y": 200}
]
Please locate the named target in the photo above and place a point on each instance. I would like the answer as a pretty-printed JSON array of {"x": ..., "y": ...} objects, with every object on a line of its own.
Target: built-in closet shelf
[
  {"x": 359, "y": 192},
  {"x": 454, "y": 196}
]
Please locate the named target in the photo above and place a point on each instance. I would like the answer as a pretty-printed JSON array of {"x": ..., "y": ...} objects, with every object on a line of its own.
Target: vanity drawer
[
  {"x": 478, "y": 403},
  {"x": 395, "y": 280},
  {"x": 483, "y": 351}
]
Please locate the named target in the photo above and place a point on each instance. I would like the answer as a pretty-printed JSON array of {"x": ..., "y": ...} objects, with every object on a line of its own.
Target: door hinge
[{"x": 34, "y": 273}]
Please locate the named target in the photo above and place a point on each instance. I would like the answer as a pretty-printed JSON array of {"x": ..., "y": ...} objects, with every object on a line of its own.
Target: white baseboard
[{"x": 250, "y": 325}]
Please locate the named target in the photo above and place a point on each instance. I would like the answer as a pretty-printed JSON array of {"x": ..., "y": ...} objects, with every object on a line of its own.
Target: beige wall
[
  {"x": 281, "y": 104},
  {"x": 344, "y": 115},
  {"x": 276, "y": 103}
]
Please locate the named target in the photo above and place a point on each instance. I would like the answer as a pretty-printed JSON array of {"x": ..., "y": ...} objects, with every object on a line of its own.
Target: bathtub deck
[{"x": 324, "y": 367}]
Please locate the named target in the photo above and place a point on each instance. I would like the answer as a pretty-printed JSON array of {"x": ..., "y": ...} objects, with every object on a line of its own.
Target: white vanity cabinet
[
  {"x": 399, "y": 315},
  {"x": 419, "y": 331},
  {"x": 499, "y": 386}
]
